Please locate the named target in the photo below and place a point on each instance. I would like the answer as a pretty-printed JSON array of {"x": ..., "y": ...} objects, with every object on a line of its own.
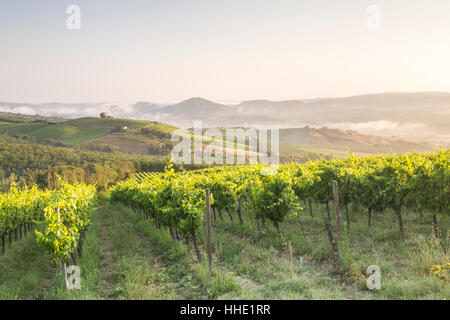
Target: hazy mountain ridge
[{"x": 418, "y": 115}]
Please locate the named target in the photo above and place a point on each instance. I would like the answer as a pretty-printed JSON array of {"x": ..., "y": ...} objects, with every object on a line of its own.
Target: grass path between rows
[
  {"x": 25, "y": 270},
  {"x": 276, "y": 274},
  {"x": 126, "y": 257},
  {"x": 180, "y": 276},
  {"x": 129, "y": 269},
  {"x": 245, "y": 269},
  {"x": 106, "y": 287},
  {"x": 405, "y": 260}
]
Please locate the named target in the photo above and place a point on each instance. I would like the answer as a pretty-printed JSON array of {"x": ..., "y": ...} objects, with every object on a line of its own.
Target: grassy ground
[
  {"x": 267, "y": 273},
  {"x": 69, "y": 134},
  {"x": 404, "y": 260},
  {"x": 126, "y": 257},
  {"x": 91, "y": 122},
  {"x": 25, "y": 271},
  {"x": 290, "y": 148},
  {"x": 96, "y": 131},
  {"x": 79, "y": 130},
  {"x": 59, "y": 132},
  {"x": 21, "y": 128}
]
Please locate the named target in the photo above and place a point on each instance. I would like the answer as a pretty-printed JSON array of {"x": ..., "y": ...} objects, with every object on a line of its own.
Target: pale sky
[{"x": 233, "y": 50}]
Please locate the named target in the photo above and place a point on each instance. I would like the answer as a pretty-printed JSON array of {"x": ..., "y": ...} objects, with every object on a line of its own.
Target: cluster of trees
[
  {"x": 159, "y": 148},
  {"x": 22, "y": 118},
  {"x": 152, "y": 132},
  {"x": 105, "y": 115},
  {"x": 36, "y": 164},
  {"x": 16, "y": 137},
  {"x": 99, "y": 148},
  {"x": 303, "y": 158}
]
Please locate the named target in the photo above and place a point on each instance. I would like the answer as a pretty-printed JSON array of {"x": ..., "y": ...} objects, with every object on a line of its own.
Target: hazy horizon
[
  {"x": 227, "y": 102},
  {"x": 222, "y": 51}
]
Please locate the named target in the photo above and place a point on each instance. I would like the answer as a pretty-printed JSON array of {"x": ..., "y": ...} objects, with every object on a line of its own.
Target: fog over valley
[{"x": 417, "y": 116}]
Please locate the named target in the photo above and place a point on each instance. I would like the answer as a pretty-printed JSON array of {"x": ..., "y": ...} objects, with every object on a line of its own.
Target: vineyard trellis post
[
  {"x": 435, "y": 227},
  {"x": 208, "y": 230},
  {"x": 64, "y": 274},
  {"x": 310, "y": 208},
  {"x": 338, "y": 219}
]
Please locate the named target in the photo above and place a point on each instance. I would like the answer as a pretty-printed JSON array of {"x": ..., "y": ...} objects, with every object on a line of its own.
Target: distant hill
[
  {"x": 19, "y": 118},
  {"x": 196, "y": 106},
  {"x": 195, "y": 109},
  {"x": 96, "y": 134},
  {"x": 414, "y": 116},
  {"x": 110, "y": 124},
  {"x": 417, "y": 116},
  {"x": 420, "y": 116},
  {"x": 342, "y": 140},
  {"x": 296, "y": 144},
  {"x": 143, "y": 137}
]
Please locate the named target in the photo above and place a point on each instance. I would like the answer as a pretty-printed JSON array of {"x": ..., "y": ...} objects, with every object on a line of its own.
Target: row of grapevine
[
  {"x": 171, "y": 201},
  {"x": 19, "y": 210},
  {"x": 67, "y": 216},
  {"x": 65, "y": 213},
  {"x": 176, "y": 200},
  {"x": 419, "y": 181}
]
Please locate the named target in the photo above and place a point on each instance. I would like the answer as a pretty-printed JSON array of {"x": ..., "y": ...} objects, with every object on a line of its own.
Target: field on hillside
[
  {"x": 94, "y": 133},
  {"x": 341, "y": 140},
  {"x": 291, "y": 151},
  {"x": 68, "y": 134},
  {"x": 20, "y": 128},
  {"x": 103, "y": 134},
  {"x": 63, "y": 133},
  {"x": 107, "y": 123},
  {"x": 153, "y": 138}
]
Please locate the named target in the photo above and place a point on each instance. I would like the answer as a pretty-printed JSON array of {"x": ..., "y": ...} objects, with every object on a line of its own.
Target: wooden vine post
[
  {"x": 208, "y": 230},
  {"x": 64, "y": 274},
  {"x": 338, "y": 219},
  {"x": 3, "y": 243}
]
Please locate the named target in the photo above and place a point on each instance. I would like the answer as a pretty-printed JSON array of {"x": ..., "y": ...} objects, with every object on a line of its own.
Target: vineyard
[
  {"x": 177, "y": 200},
  {"x": 65, "y": 214},
  {"x": 252, "y": 235}
]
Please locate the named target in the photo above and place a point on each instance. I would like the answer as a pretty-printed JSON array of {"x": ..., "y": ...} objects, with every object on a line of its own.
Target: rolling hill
[
  {"x": 196, "y": 106},
  {"x": 341, "y": 140},
  {"x": 154, "y": 138},
  {"x": 109, "y": 124},
  {"x": 419, "y": 116},
  {"x": 120, "y": 135}
]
